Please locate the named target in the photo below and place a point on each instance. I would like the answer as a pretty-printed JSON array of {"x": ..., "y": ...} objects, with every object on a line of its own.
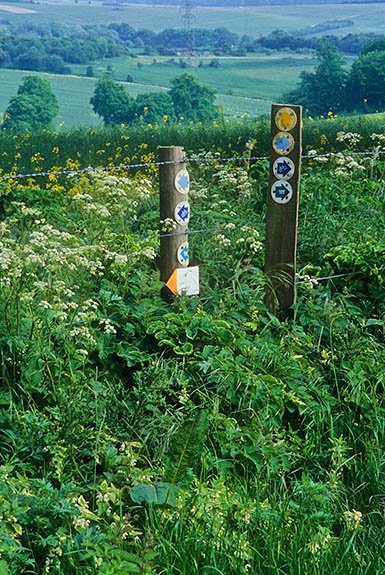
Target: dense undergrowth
[{"x": 204, "y": 436}]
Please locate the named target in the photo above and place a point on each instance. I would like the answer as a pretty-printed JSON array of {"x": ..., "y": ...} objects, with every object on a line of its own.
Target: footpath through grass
[{"x": 205, "y": 436}]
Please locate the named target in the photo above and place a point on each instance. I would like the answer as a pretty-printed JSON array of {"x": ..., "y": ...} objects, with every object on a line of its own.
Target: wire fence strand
[{"x": 246, "y": 159}]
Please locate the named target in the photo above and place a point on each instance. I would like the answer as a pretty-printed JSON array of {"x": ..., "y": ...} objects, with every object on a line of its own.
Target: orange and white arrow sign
[{"x": 184, "y": 281}]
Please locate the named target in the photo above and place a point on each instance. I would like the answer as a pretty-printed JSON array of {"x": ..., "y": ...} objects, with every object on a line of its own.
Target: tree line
[
  {"x": 333, "y": 88},
  {"x": 35, "y": 105},
  {"x": 53, "y": 47}
]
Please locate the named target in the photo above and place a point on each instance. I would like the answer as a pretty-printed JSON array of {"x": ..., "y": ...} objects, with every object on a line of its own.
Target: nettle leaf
[{"x": 160, "y": 493}]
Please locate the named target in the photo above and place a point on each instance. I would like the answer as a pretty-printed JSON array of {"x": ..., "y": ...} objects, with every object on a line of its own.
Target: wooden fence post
[
  {"x": 282, "y": 207},
  {"x": 174, "y": 214}
]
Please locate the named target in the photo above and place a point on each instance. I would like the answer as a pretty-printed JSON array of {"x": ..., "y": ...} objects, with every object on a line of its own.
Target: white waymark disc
[
  {"x": 182, "y": 182},
  {"x": 283, "y": 168},
  {"x": 281, "y": 192},
  {"x": 182, "y": 213},
  {"x": 182, "y": 255}
]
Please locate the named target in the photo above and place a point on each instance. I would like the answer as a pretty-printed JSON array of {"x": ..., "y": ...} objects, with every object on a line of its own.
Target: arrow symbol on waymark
[
  {"x": 183, "y": 182},
  {"x": 283, "y": 143},
  {"x": 183, "y": 213},
  {"x": 184, "y": 253},
  {"x": 281, "y": 192},
  {"x": 283, "y": 168}
]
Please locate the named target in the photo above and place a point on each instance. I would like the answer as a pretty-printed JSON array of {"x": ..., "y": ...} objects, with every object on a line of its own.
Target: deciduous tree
[
  {"x": 366, "y": 83},
  {"x": 111, "y": 102},
  {"x": 33, "y": 108},
  {"x": 154, "y": 107},
  {"x": 323, "y": 90},
  {"x": 193, "y": 100}
]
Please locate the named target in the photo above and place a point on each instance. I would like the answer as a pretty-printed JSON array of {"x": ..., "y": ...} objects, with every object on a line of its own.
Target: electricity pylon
[{"x": 188, "y": 16}]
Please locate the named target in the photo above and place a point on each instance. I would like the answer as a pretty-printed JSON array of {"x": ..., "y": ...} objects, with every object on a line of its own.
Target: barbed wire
[
  {"x": 90, "y": 169},
  {"x": 233, "y": 228},
  {"x": 182, "y": 161},
  {"x": 225, "y": 228}
]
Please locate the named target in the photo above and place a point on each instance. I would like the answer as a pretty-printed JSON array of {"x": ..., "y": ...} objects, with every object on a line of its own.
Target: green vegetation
[
  {"x": 205, "y": 436},
  {"x": 33, "y": 108},
  {"x": 331, "y": 88},
  {"x": 124, "y": 145},
  {"x": 323, "y": 90},
  {"x": 367, "y": 78},
  {"x": 193, "y": 101},
  {"x": 187, "y": 99},
  {"x": 258, "y": 80},
  {"x": 154, "y": 107},
  {"x": 111, "y": 102}
]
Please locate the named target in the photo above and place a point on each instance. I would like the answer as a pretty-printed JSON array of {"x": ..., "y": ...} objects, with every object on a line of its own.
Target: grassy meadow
[
  {"x": 202, "y": 436},
  {"x": 253, "y": 21},
  {"x": 245, "y": 86}
]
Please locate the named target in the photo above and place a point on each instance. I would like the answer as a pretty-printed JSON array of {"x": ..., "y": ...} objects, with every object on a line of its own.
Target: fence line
[
  {"x": 212, "y": 230},
  {"x": 305, "y": 281},
  {"x": 227, "y": 227},
  {"x": 196, "y": 160},
  {"x": 254, "y": 225}
]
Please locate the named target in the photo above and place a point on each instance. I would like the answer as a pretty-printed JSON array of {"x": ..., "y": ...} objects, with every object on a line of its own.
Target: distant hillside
[{"x": 236, "y": 3}]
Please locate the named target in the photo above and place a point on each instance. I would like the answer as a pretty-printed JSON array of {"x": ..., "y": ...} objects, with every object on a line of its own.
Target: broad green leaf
[
  {"x": 143, "y": 494},
  {"x": 155, "y": 494}
]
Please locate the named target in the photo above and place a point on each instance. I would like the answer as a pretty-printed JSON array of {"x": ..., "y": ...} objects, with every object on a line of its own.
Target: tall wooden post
[
  {"x": 175, "y": 209},
  {"x": 282, "y": 207}
]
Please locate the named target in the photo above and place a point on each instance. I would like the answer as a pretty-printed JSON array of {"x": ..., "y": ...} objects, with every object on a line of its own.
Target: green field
[
  {"x": 244, "y": 85},
  {"x": 263, "y": 77},
  {"x": 253, "y": 21},
  {"x": 73, "y": 93}
]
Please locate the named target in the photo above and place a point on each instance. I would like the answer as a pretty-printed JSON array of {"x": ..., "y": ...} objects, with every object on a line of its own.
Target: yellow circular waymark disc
[
  {"x": 283, "y": 143},
  {"x": 285, "y": 119}
]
